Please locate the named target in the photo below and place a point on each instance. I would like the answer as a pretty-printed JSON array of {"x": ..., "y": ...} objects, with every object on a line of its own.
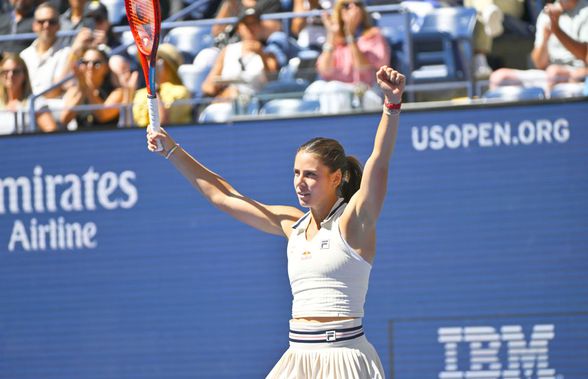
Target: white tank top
[
  {"x": 247, "y": 68},
  {"x": 328, "y": 278}
]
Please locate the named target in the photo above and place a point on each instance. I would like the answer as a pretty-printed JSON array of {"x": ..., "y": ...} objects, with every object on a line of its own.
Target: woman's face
[
  {"x": 351, "y": 11},
  {"x": 12, "y": 74},
  {"x": 94, "y": 66},
  {"x": 314, "y": 183}
]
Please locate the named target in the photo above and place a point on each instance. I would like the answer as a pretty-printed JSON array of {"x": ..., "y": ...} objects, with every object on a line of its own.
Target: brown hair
[
  {"x": 26, "y": 84},
  {"x": 332, "y": 155},
  {"x": 366, "y": 19}
]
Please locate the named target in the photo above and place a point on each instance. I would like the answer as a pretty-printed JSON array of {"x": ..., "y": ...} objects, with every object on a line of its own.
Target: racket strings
[{"x": 141, "y": 15}]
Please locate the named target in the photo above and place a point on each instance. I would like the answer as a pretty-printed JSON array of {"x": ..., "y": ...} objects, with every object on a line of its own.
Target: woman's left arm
[{"x": 366, "y": 204}]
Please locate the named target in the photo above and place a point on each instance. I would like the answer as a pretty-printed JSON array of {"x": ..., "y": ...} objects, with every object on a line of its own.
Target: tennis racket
[{"x": 145, "y": 21}]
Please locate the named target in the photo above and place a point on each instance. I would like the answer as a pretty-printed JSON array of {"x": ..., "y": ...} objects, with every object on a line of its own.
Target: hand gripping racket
[{"x": 145, "y": 21}]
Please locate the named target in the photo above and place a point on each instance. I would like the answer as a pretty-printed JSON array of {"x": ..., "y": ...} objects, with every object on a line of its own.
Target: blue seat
[
  {"x": 193, "y": 77},
  {"x": 290, "y": 107},
  {"x": 395, "y": 26},
  {"x": 445, "y": 38},
  {"x": 514, "y": 93},
  {"x": 189, "y": 40},
  {"x": 217, "y": 112},
  {"x": 566, "y": 90}
]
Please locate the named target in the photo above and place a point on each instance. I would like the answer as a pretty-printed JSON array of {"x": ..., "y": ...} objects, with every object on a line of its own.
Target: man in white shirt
[
  {"x": 561, "y": 43},
  {"x": 46, "y": 57}
]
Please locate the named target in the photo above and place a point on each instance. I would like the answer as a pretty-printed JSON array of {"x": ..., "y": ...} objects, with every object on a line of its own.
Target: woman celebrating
[
  {"x": 15, "y": 92},
  {"x": 94, "y": 87},
  {"x": 326, "y": 333}
]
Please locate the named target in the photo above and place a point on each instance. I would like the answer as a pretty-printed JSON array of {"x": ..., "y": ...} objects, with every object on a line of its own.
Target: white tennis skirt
[{"x": 330, "y": 350}]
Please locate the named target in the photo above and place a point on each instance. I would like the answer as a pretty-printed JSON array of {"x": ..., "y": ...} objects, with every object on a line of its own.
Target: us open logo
[{"x": 527, "y": 357}]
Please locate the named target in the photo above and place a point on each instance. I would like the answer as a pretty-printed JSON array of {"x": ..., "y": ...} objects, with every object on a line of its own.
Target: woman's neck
[
  {"x": 14, "y": 94},
  {"x": 320, "y": 213}
]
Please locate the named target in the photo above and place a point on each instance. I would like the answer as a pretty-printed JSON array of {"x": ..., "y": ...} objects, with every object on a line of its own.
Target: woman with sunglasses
[
  {"x": 355, "y": 48},
  {"x": 353, "y": 51},
  {"x": 15, "y": 92},
  {"x": 331, "y": 248},
  {"x": 94, "y": 86}
]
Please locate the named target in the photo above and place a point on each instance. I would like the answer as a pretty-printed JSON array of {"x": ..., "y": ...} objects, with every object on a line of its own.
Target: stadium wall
[{"x": 112, "y": 266}]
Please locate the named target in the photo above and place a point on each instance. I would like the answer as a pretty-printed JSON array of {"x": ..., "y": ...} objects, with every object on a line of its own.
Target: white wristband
[
  {"x": 390, "y": 111},
  {"x": 171, "y": 151}
]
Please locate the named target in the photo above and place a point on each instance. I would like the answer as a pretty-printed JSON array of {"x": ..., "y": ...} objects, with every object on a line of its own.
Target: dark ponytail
[
  {"x": 351, "y": 178},
  {"x": 332, "y": 155}
]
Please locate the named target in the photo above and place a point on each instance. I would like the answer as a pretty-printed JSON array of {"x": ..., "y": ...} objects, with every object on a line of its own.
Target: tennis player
[{"x": 330, "y": 249}]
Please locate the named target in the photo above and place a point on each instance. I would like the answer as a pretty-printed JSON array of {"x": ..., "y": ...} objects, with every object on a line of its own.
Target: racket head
[{"x": 145, "y": 22}]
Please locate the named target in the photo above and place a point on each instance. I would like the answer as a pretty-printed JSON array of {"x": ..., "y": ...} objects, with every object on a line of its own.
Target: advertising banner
[{"x": 113, "y": 266}]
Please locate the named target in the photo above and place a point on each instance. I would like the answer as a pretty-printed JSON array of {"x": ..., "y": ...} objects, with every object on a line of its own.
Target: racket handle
[{"x": 154, "y": 118}]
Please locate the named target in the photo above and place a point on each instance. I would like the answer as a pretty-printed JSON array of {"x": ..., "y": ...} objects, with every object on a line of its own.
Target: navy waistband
[{"x": 322, "y": 336}]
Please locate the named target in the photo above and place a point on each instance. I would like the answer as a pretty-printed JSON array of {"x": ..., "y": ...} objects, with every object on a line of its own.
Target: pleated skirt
[{"x": 353, "y": 358}]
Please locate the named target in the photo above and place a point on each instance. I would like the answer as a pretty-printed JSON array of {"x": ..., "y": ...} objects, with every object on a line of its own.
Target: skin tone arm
[
  {"x": 298, "y": 23},
  {"x": 85, "y": 94},
  {"x": 351, "y": 20},
  {"x": 276, "y": 220},
  {"x": 577, "y": 48},
  {"x": 358, "y": 222},
  {"x": 209, "y": 86},
  {"x": 45, "y": 122},
  {"x": 539, "y": 54}
]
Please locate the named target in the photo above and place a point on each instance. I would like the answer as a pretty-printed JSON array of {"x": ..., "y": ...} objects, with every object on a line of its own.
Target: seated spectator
[
  {"x": 46, "y": 57},
  {"x": 355, "y": 49},
  {"x": 170, "y": 89},
  {"x": 309, "y": 31},
  {"x": 93, "y": 86},
  {"x": 18, "y": 18},
  {"x": 73, "y": 19},
  {"x": 15, "y": 93},
  {"x": 97, "y": 15},
  {"x": 561, "y": 42},
  {"x": 242, "y": 67}
]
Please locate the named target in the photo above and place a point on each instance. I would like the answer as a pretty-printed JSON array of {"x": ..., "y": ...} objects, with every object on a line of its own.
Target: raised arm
[
  {"x": 359, "y": 219},
  {"x": 270, "y": 219}
]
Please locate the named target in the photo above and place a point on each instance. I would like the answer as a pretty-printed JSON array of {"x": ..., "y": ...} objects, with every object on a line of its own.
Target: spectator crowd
[{"x": 88, "y": 77}]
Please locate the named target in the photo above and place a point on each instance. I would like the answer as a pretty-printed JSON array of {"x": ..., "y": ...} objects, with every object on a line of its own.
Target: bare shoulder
[{"x": 286, "y": 216}]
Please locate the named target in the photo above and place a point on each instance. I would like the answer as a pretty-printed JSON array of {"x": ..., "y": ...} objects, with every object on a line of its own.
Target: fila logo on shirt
[
  {"x": 325, "y": 244},
  {"x": 497, "y": 354}
]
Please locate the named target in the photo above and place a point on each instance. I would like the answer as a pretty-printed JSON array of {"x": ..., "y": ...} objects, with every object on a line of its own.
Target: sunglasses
[
  {"x": 14, "y": 71},
  {"x": 95, "y": 64},
  {"x": 50, "y": 21},
  {"x": 348, "y": 5}
]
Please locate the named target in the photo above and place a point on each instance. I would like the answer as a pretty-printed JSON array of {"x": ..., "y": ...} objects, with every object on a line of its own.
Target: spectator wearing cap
[
  {"x": 46, "y": 57},
  {"x": 242, "y": 67},
  {"x": 96, "y": 18},
  {"x": 18, "y": 18},
  {"x": 170, "y": 90},
  {"x": 94, "y": 86}
]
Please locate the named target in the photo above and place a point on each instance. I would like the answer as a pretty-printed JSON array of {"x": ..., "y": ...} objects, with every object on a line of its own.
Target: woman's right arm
[{"x": 270, "y": 219}]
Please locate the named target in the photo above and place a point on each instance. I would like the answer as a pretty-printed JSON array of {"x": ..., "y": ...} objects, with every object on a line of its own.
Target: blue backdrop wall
[{"x": 112, "y": 266}]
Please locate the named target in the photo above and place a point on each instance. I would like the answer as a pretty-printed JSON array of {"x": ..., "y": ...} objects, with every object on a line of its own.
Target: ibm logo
[{"x": 525, "y": 360}]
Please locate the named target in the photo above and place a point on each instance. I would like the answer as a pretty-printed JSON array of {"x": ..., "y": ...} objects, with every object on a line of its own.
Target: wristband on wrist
[
  {"x": 349, "y": 38},
  {"x": 171, "y": 151},
  {"x": 327, "y": 47},
  {"x": 391, "y": 108}
]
